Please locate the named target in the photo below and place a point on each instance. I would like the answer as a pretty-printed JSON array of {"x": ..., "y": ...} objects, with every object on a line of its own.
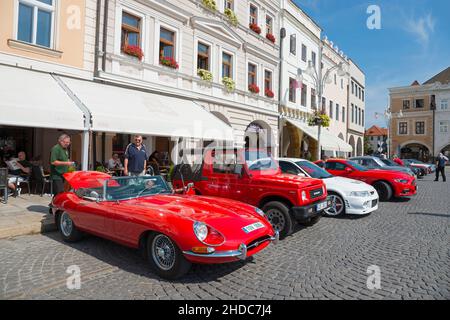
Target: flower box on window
[
  {"x": 270, "y": 37},
  {"x": 231, "y": 17},
  {"x": 169, "y": 62},
  {"x": 229, "y": 84},
  {"x": 253, "y": 88},
  {"x": 255, "y": 28},
  {"x": 210, "y": 4},
  {"x": 205, "y": 75},
  {"x": 269, "y": 93},
  {"x": 134, "y": 51}
]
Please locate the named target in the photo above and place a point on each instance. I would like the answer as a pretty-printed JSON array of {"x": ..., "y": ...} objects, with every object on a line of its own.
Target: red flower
[
  {"x": 255, "y": 28},
  {"x": 134, "y": 51},
  {"x": 253, "y": 88},
  {"x": 169, "y": 62},
  {"x": 269, "y": 93},
  {"x": 270, "y": 37}
]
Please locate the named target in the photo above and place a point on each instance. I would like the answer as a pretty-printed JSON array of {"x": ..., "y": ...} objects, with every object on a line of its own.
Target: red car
[
  {"x": 172, "y": 230},
  {"x": 254, "y": 177},
  {"x": 388, "y": 183}
]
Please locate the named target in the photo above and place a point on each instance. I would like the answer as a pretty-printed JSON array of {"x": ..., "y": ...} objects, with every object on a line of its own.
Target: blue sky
[{"x": 412, "y": 44}]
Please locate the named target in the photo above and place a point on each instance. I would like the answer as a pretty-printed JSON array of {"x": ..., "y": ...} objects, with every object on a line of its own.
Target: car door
[
  {"x": 336, "y": 168},
  {"x": 91, "y": 215}
]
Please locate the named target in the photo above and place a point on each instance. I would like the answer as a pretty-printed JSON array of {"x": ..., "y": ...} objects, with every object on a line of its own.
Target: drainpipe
[
  {"x": 97, "y": 37},
  {"x": 87, "y": 122},
  {"x": 280, "y": 92},
  {"x": 105, "y": 34}
]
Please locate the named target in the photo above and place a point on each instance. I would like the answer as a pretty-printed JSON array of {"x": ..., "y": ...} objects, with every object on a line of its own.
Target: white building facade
[
  {"x": 196, "y": 37},
  {"x": 356, "y": 114},
  {"x": 442, "y": 119}
]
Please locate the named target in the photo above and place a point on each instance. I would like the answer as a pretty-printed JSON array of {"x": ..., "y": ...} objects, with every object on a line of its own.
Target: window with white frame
[
  {"x": 303, "y": 96},
  {"x": 443, "y": 126},
  {"x": 269, "y": 25},
  {"x": 252, "y": 74},
  {"x": 304, "y": 52},
  {"x": 203, "y": 56},
  {"x": 293, "y": 44},
  {"x": 444, "y": 104},
  {"x": 227, "y": 65},
  {"x": 228, "y": 4},
  {"x": 253, "y": 17},
  {"x": 166, "y": 43},
  {"x": 35, "y": 23},
  {"x": 403, "y": 128},
  {"x": 343, "y": 114}
]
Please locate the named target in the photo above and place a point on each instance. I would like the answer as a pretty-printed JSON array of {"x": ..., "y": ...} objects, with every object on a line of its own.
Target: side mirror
[
  {"x": 190, "y": 189},
  {"x": 302, "y": 175},
  {"x": 348, "y": 170}
]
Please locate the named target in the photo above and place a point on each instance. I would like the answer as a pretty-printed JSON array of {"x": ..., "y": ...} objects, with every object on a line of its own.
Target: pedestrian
[
  {"x": 60, "y": 163},
  {"x": 441, "y": 162},
  {"x": 154, "y": 162},
  {"x": 135, "y": 158},
  {"x": 398, "y": 161}
]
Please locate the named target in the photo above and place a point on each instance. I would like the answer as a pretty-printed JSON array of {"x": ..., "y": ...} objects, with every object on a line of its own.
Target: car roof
[{"x": 292, "y": 159}]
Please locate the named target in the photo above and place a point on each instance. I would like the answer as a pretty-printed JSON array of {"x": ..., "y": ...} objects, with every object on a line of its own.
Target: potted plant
[
  {"x": 253, "y": 88},
  {"x": 228, "y": 83},
  {"x": 270, "y": 37},
  {"x": 205, "y": 75},
  {"x": 319, "y": 118},
  {"x": 269, "y": 93},
  {"x": 134, "y": 51},
  {"x": 255, "y": 28},
  {"x": 210, "y": 4},
  {"x": 231, "y": 16},
  {"x": 169, "y": 62}
]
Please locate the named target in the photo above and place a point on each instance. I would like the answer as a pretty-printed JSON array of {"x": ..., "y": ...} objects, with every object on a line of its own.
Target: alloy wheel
[
  {"x": 337, "y": 206},
  {"x": 276, "y": 219},
  {"x": 66, "y": 224}
]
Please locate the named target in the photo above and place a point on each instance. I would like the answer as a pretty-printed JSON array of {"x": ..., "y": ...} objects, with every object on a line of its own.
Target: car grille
[
  {"x": 257, "y": 242},
  {"x": 316, "y": 193}
]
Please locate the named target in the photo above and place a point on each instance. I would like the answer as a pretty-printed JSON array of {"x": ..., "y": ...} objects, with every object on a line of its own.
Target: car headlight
[
  {"x": 200, "y": 230},
  {"x": 304, "y": 197},
  {"x": 260, "y": 212},
  {"x": 404, "y": 181},
  {"x": 361, "y": 194}
]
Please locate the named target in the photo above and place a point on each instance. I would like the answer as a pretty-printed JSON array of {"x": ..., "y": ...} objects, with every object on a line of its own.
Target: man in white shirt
[{"x": 114, "y": 162}]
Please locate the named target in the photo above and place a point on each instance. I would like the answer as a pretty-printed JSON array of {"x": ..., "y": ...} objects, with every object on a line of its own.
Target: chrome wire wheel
[
  {"x": 337, "y": 206},
  {"x": 66, "y": 224},
  {"x": 163, "y": 252},
  {"x": 276, "y": 219}
]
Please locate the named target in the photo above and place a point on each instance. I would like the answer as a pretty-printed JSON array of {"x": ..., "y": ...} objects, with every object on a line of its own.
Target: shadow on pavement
[
  {"x": 131, "y": 260},
  {"x": 38, "y": 209},
  {"x": 443, "y": 215}
]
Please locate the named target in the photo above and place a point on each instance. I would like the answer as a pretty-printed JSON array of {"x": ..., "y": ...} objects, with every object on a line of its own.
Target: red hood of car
[
  {"x": 388, "y": 174},
  {"x": 219, "y": 213},
  {"x": 288, "y": 179}
]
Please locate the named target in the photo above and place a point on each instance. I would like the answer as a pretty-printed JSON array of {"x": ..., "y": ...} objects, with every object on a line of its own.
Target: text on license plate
[
  {"x": 253, "y": 227},
  {"x": 322, "y": 206}
]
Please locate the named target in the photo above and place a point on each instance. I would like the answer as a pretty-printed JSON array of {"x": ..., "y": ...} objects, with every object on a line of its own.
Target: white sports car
[{"x": 348, "y": 196}]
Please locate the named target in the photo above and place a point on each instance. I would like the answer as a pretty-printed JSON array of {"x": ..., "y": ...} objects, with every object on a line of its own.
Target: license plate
[
  {"x": 253, "y": 227},
  {"x": 322, "y": 206}
]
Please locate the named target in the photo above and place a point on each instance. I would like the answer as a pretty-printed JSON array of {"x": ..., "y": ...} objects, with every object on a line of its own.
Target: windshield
[
  {"x": 390, "y": 162},
  {"x": 260, "y": 161},
  {"x": 313, "y": 170},
  {"x": 356, "y": 166},
  {"x": 124, "y": 188}
]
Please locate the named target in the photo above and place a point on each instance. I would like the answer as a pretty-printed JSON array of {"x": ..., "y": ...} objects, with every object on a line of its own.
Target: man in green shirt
[{"x": 59, "y": 163}]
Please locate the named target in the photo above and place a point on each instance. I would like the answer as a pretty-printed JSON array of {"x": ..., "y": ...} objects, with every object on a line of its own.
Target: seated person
[
  {"x": 114, "y": 162},
  {"x": 23, "y": 169}
]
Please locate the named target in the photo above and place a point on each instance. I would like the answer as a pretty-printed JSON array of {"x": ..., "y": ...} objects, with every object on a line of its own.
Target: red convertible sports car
[{"x": 173, "y": 230}]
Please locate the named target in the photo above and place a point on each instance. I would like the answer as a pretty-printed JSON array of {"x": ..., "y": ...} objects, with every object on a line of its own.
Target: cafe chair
[{"x": 4, "y": 184}]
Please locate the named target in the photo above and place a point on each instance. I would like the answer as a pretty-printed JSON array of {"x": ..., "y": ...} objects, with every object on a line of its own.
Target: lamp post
[
  {"x": 319, "y": 84},
  {"x": 389, "y": 115}
]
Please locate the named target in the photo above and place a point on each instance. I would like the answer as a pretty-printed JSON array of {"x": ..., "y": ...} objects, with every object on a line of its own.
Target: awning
[
  {"x": 328, "y": 141},
  {"x": 121, "y": 110},
  {"x": 34, "y": 99}
]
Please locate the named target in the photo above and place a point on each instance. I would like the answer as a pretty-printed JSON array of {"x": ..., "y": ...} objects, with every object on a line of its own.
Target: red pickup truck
[{"x": 254, "y": 177}]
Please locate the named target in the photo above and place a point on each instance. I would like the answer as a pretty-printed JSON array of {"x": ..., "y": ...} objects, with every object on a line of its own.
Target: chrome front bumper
[{"x": 240, "y": 253}]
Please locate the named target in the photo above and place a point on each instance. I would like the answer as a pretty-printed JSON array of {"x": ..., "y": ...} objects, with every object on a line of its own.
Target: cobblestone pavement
[{"x": 408, "y": 239}]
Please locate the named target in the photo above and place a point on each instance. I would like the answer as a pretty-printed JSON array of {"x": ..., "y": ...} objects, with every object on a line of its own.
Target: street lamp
[
  {"x": 389, "y": 115},
  {"x": 319, "y": 84}
]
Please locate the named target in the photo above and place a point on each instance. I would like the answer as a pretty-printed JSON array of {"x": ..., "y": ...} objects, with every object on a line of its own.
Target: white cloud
[{"x": 421, "y": 28}]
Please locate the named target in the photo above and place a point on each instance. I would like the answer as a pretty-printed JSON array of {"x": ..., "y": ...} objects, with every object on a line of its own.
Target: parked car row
[{"x": 228, "y": 208}]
